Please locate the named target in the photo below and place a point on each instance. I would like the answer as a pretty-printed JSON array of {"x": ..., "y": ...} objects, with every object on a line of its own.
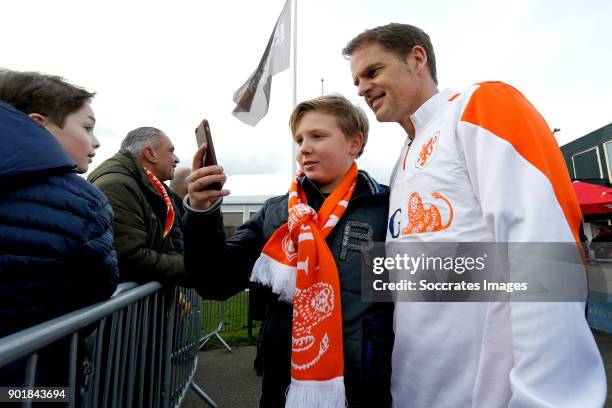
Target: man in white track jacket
[{"x": 477, "y": 166}]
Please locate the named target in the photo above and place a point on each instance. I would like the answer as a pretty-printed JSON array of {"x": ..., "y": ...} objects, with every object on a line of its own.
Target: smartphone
[{"x": 203, "y": 135}]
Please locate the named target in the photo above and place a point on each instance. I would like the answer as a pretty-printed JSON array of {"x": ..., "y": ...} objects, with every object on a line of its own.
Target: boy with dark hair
[
  {"x": 56, "y": 242},
  {"x": 48, "y": 95},
  {"x": 60, "y": 107}
]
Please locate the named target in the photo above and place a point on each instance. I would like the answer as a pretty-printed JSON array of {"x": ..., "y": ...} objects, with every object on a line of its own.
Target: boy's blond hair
[{"x": 350, "y": 118}]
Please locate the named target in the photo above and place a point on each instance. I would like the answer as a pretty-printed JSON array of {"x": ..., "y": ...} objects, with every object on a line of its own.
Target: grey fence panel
[
  {"x": 145, "y": 355},
  {"x": 231, "y": 315},
  {"x": 235, "y": 313},
  {"x": 25, "y": 342},
  {"x": 185, "y": 350}
]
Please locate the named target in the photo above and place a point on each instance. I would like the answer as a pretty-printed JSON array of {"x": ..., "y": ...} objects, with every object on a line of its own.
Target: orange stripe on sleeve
[{"x": 505, "y": 112}]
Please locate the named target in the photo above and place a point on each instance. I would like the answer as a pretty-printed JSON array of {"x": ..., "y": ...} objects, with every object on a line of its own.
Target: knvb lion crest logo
[
  {"x": 316, "y": 304},
  {"x": 428, "y": 151},
  {"x": 421, "y": 219}
]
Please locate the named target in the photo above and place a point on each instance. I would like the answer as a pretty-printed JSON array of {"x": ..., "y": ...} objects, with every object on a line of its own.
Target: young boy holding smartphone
[{"x": 322, "y": 345}]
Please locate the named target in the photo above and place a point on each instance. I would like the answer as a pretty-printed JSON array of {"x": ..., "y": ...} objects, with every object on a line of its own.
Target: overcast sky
[{"x": 170, "y": 64}]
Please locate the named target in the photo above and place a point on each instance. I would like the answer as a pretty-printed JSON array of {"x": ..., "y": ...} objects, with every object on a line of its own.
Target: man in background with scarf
[{"x": 144, "y": 215}]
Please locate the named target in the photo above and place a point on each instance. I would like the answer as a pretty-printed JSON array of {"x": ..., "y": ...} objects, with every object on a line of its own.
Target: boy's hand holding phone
[
  {"x": 201, "y": 197},
  {"x": 205, "y": 183}
]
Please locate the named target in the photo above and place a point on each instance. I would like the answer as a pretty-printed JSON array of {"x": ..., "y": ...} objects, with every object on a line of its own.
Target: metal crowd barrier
[
  {"x": 139, "y": 348},
  {"x": 214, "y": 311},
  {"x": 231, "y": 315}
]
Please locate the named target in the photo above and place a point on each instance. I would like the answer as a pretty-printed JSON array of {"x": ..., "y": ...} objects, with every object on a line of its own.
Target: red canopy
[{"x": 593, "y": 199}]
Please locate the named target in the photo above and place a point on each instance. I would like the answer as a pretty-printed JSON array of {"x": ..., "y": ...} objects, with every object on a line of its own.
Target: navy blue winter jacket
[{"x": 56, "y": 241}]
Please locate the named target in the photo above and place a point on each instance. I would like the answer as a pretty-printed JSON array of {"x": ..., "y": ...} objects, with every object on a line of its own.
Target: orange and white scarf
[
  {"x": 298, "y": 265},
  {"x": 162, "y": 192}
]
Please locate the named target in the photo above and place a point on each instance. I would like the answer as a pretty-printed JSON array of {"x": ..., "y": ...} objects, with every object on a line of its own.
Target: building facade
[{"x": 589, "y": 158}]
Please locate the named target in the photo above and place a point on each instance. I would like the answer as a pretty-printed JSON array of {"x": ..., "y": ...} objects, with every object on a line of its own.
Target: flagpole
[{"x": 293, "y": 79}]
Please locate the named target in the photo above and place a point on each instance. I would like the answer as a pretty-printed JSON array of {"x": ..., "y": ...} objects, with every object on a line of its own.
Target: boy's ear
[
  {"x": 356, "y": 143},
  {"x": 38, "y": 118}
]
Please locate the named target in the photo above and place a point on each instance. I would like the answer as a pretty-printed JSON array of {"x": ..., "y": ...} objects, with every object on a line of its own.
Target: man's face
[
  {"x": 76, "y": 136},
  {"x": 166, "y": 160},
  {"x": 389, "y": 85},
  {"x": 324, "y": 152}
]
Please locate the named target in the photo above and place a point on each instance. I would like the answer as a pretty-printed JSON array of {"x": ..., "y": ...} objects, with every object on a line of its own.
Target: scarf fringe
[
  {"x": 279, "y": 277},
  {"x": 316, "y": 394}
]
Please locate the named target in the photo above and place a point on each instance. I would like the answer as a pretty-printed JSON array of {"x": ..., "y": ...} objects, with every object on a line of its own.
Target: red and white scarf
[
  {"x": 162, "y": 192},
  {"x": 298, "y": 265}
]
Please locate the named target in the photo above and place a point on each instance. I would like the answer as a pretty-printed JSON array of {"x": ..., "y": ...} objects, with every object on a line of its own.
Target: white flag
[{"x": 253, "y": 98}]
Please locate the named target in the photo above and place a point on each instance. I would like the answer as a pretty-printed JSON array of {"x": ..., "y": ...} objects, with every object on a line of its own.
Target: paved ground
[{"x": 230, "y": 380}]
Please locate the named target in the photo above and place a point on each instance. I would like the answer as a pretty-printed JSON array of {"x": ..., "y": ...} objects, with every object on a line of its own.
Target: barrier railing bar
[
  {"x": 599, "y": 260},
  {"x": 98, "y": 362},
  {"x": 153, "y": 344},
  {"x": 162, "y": 342},
  {"x": 167, "y": 354},
  {"x": 215, "y": 333},
  {"x": 183, "y": 354},
  {"x": 132, "y": 355},
  {"x": 72, "y": 368},
  {"x": 143, "y": 344},
  {"x": 30, "y": 375},
  {"x": 118, "y": 352},
  {"x": 191, "y": 336},
  {"x": 185, "y": 351},
  {"x": 109, "y": 359},
  {"x": 203, "y": 395},
  {"x": 124, "y": 353},
  {"x": 186, "y": 340},
  {"x": 174, "y": 361}
]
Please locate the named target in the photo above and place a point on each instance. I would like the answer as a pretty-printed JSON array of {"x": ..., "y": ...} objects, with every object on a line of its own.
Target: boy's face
[
  {"x": 324, "y": 152},
  {"x": 76, "y": 136}
]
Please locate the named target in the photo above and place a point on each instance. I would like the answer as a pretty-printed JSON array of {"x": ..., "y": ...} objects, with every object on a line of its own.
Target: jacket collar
[
  {"x": 138, "y": 171},
  {"x": 430, "y": 109}
]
